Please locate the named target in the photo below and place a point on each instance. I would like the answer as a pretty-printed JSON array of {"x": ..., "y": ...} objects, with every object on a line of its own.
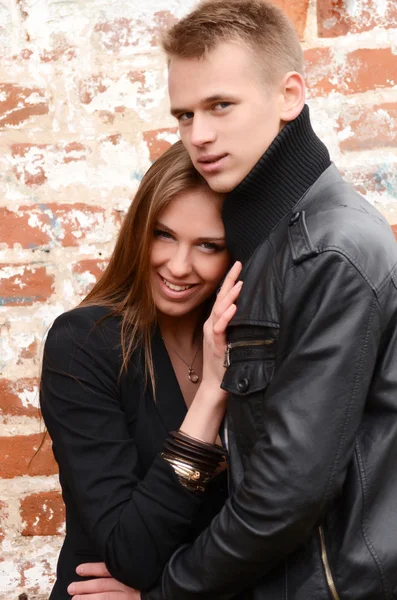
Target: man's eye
[
  {"x": 185, "y": 116},
  {"x": 222, "y": 105}
]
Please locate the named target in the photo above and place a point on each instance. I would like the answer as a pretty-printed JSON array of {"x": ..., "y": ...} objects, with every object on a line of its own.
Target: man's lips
[
  {"x": 210, "y": 158},
  {"x": 211, "y": 163}
]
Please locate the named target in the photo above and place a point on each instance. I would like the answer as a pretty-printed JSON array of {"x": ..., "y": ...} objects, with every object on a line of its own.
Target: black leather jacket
[{"x": 312, "y": 419}]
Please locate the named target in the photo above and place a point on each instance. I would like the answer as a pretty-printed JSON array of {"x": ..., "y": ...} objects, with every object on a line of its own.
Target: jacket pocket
[{"x": 250, "y": 363}]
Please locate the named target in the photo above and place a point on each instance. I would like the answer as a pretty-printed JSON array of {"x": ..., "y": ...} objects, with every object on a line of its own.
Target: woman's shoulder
[{"x": 86, "y": 325}]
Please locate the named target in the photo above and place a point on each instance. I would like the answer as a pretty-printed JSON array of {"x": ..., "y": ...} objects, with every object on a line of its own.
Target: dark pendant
[{"x": 193, "y": 376}]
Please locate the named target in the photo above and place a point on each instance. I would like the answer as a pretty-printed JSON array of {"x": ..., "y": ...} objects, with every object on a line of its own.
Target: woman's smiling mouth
[
  {"x": 176, "y": 292},
  {"x": 177, "y": 288}
]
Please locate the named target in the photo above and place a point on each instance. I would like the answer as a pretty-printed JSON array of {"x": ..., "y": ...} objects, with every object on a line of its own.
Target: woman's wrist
[
  {"x": 210, "y": 393},
  {"x": 194, "y": 462}
]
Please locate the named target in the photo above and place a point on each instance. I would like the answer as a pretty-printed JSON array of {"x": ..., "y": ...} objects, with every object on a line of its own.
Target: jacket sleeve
[
  {"x": 134, "y": 524},
  {"x": 328, "y": 343}
]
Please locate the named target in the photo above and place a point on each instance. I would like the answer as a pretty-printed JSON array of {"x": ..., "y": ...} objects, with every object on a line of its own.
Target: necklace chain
[{"x": 192, "y": 375}]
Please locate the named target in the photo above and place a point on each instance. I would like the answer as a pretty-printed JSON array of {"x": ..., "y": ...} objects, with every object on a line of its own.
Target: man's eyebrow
[{"x": 209, "y": 100}]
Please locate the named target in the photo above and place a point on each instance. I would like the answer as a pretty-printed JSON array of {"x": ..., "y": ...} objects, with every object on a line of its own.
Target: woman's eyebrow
[
  {"x": 163, "y": 226},
  {"x": 211, "y": 239}
]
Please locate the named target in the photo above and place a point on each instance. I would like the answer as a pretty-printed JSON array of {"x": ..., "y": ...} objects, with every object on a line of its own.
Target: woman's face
[{"x": 188, "y": 256}]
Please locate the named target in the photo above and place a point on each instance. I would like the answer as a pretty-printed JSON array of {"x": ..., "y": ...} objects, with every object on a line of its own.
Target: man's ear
[{"x": 293, "y": 96}]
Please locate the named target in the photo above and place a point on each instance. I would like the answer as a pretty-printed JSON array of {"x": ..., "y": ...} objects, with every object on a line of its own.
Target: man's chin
[{"x": 221, "y": 183}]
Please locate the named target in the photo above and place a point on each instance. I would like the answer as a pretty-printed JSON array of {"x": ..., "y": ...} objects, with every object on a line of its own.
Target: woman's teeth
[{"x": 176, "y": 288}]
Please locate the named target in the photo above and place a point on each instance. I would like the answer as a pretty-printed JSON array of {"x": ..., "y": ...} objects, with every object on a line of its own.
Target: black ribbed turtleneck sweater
[{"x": 291, "y": 164}]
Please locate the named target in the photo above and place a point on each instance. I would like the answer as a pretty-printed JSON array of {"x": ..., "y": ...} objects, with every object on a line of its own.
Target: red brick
[
  {"x": 92, "y": 265},
  {"x": 62, "y": 52},
  {"x": 29, "y": 352},
  {"x": 87, "y": 272},
  {"x": 19, "y": 397},
  {"x": 20, "y": 104},
  {"x": 74, "y": 152},
  {"x": 380, "y": 180},
  {"x": 96, "y": 85},
  {"x": 297, "y": 12},
  {"x": 360, "y": 72},
  {"x": 24, "y": 284},
  {"x": 334, "y": 18},
  {"x": 18, "y": 456},
  {"x": 68, "y": 224},
  {"x": 29, "y": 168},
  {"x": 3, "y": 518},
  {"x": 163, "y": 19},
  {"x": 374, "y": 127},
  {"x": 15, "y": 229},
  {"x": 156, "y": 143},
  {"x": 43, "y": 514},
  {"x": 30, "y": 160},
  {"x": 76, "y": 218},
  {"x": 43, "y": 572},
  {"x": 123, "y": 32},
  {"x": 91, "y": 87}
]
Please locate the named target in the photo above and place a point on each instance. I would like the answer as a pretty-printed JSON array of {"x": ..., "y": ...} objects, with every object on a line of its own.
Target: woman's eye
[
  {"x": 160, "y": 233},
  {"x": 212, "y": 246}
]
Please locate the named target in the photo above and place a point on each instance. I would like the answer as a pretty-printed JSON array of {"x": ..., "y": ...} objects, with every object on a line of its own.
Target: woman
[{"x": 130, "y": 365}]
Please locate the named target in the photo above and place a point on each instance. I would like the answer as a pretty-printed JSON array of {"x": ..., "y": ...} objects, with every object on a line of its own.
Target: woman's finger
[
  {"x": 230, "y": 279},
  {"x": 109, "y": 596},
  {"x": 97, "y": 569},
  {"x": 100, "y": 586},
  {"x": 224, "y": 303},
  {"x": 95, "y": 586},
  {"x": 220, "y": 326}
]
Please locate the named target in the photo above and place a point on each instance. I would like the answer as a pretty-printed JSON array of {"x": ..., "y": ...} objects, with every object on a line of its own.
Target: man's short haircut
[{"x": 259, "y": 25}]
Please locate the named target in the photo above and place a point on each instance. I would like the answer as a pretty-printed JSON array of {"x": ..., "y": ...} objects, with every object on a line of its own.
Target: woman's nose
[{"x": 180, "y": 264}]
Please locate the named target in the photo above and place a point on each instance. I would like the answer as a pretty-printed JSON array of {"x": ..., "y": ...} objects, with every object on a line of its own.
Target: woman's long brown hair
[{"x": 125, "y": 285}]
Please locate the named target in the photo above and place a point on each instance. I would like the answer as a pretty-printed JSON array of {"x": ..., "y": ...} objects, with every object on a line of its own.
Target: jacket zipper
[
  {"x": 327, "y": 568},
  {"x": 242, "y": 343}
]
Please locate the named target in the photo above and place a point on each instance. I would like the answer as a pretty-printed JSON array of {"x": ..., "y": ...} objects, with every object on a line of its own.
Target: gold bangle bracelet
[{"x": 188, "y": 476}]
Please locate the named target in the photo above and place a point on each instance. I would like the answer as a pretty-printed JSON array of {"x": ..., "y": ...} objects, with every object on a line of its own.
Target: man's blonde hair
[{"x": 259, "y": 25}]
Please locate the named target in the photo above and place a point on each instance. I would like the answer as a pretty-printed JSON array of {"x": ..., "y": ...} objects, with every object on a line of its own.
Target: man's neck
[{"x": 291, "y": 164}]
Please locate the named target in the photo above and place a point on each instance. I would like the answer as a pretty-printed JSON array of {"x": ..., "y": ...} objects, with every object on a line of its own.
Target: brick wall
[{"x": 83, "y": 112}]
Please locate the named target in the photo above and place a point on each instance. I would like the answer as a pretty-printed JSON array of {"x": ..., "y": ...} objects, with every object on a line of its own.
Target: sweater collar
[{"x": 291, "y": 164}]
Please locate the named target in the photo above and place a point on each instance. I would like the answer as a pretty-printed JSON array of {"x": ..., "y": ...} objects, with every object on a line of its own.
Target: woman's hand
[
  {"x": 207, "y": 410},
  {"x": 214, "y": 343},
  {"x": 103, "y": 587}
]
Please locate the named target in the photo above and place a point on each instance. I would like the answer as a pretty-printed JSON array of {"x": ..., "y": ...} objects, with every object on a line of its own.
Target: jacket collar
[{"x": 291, "y": 164}]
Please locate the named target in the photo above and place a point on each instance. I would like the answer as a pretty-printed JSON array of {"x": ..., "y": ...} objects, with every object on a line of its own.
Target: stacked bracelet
[{"x": 193, "y": 461}]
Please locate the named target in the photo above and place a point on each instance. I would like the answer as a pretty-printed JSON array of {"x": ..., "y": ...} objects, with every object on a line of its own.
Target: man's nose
[{"x": 202, "y": 130}]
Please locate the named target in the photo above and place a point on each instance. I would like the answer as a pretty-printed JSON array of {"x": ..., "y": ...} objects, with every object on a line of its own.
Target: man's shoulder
[{"x": 338, "y": 218}]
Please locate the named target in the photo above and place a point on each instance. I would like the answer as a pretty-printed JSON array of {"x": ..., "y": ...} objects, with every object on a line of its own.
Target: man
[{"x": 311, "y": 361}]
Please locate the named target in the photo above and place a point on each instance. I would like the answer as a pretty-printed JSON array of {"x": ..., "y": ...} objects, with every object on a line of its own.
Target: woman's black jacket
[{"x": 124, "y": 505}]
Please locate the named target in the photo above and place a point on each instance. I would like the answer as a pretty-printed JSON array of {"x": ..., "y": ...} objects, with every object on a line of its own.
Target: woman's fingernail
[
  {"x": 71, "y": 589},
  {"x": 80, "y": 570}
]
